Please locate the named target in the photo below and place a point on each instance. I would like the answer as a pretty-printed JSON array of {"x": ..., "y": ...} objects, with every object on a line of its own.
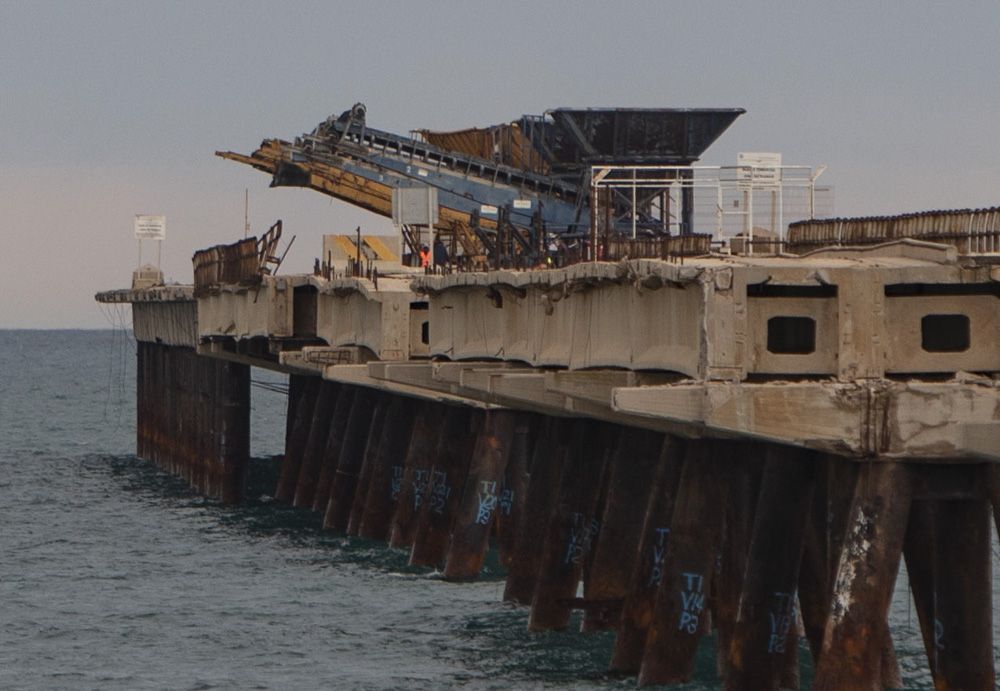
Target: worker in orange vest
[{"x": 425, "y": 256}]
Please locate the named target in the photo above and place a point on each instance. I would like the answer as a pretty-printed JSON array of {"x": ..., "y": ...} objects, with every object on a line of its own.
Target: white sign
[
  {"x": 488, "y": 210},
  {"x": 150, "y": 227},
  {"x": 522, "y": 203},
  {"x": 413, "y": 205},
  {"x": 759, "y": 168}
]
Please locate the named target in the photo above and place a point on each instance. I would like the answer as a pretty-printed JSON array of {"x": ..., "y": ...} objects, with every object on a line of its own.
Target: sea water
[{"x": 114, "y": 575}]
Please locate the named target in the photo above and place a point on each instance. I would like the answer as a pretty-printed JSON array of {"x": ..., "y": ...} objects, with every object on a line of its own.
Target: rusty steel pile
[{"x": 669, "y": 537}]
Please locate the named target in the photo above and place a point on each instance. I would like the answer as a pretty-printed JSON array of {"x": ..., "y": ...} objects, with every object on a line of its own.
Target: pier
[{"x": 675, "y": 438}]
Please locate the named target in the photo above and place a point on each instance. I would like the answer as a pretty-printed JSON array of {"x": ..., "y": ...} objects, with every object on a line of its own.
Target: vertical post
[
  {"x": 647, "y": 573},
  {"x": 187, "y": 401},
  {"x": 141, "y": 392},
  {"x": 634, "y": 204},
  {"x": 740, "y": 510},
  {"x": 200, "y": 473},
  {"x": 430, "y": 224},
  {"x": 338, "y": 503},
  {"x": 387, "y": 470},
  {"x": 155, "y": 407},
  {"x": 233, "y": 401},
  {"x": 416, "y": 474},
  {"x": 430, "y": 540},
  {"x": 825, "y": 531},
  {"x": 334, "y": 443},
  {"x": 510, "y": 508},
  {"x": 296, "y": 384},
  {"x": 719, "y": 212},
  {"x": 175, "y": 363},
  {"x": 687, "y": 201},
  {"x": 993, "y": 483},
  {"x": 312, "y": 453},
  {"x": 480, "y": 498},
  {"x": 376, "y": 430},
  {"x": 633, "y": 464},
  {"x": 547, "y": 457},
  {"x": 951, "y": 581},
  {"x": 572, "y": 528},
  {"x": 866, "y": 574},
  {"x": 594, "y": 201},
  {"x": 695, "y": 533},
  {"x": 765, "y": 629},
  {"x": 295, "y": 447}
]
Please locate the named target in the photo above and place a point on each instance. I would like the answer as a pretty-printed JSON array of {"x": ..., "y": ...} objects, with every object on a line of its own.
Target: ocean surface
[{"x": 113, "y": 575}]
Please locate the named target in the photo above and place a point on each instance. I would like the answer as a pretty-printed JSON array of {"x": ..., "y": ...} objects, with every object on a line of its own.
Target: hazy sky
[{"x": 113, "y": 109}]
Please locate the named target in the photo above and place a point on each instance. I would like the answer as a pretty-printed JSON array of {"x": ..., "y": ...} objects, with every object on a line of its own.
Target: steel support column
[
  {"x": 338, "y": 503},
  {"x": 633, "y": 463},
  {"x": 297, "y": 439},
  {"x": 692, "y": 551},
  {"x": 451, "y": 465},
  {"x": 312, "y": 453},
  {"x": 765, "y": 629},
  {"x": 233, "y": 429},
  {"x": 473, "y": 523},
  {"x": 334, "y": 442},
  {"x": 647, "y": 572},
  {"x": 387, "y": 469},
  {"x": 572, "y": 527},
  {"x": 416, "y": 473},
  {"x": 376, "y": 431},
  {"x": 547, "y": 457},
  {"x": 866, "y": 574}
]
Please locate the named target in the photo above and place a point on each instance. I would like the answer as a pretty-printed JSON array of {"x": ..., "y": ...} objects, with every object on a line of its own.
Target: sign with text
[
  {"x": 150, "y": 227},
  {"x": 759, "y": 168}
]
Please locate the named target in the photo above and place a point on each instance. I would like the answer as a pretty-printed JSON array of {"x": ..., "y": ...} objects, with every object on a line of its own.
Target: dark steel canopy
[{"x": 664, "y": 136}]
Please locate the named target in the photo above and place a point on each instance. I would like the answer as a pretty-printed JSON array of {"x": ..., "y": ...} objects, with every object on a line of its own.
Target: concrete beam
[
  {"x": 943, "y": 420},
  {"x": 359, "y": 375}
]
